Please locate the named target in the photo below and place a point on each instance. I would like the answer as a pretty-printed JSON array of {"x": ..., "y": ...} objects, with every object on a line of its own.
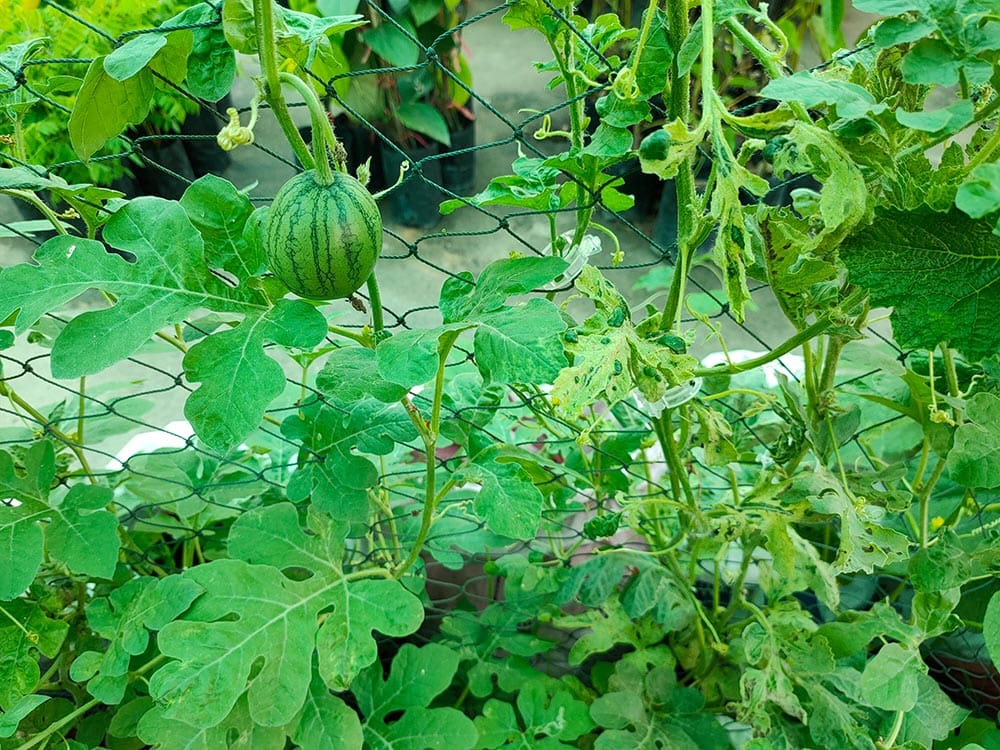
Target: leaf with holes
[
  {"x": 336, "y": 477},
  {"x": 610, "y": 358},
  {"x": 396, "y": 708},
  {"x": 543, "y": 717},
  {"x": 254, "y": 631},
  {"x": 508, "y": 499}
]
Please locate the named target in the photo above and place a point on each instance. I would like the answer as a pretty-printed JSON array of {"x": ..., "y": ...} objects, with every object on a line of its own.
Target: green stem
[
  {"x": 42, "y": 420},
  {"x": 322, "y": 131},
  {"x": 33, "y": 637},
  {"x": 782, "y": 349},
  {"x": 678, "y": 27},
  {"x": 430, "y": 435},
  {"x": 951, "y": 376},
  {"x": 71, "y": 717},
  {"x": 267, "y": 53},
  {"x": 81, "y": 410},
  {"x": 925, "y": 502},
  {"x": 897, "y": 725},
  {"x": 20, "y": 151},
  {"x": 347, "y": 333},
  {"x": 768, "y": 59},
  {"x": 375, "y": 297},
  {"x": 564, "y": 59},
  {"x": 34, "y": 200}
]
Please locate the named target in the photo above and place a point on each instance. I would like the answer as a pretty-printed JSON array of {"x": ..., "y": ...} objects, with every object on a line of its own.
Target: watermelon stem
[
  {"x": 322, "y": 130},
  {"x": 375, "y": 297},
  {"x": 267, "y": 53}
]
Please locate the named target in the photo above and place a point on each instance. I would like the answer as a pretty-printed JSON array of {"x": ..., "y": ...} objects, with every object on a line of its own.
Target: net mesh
[{"x": 127, "y": 426}]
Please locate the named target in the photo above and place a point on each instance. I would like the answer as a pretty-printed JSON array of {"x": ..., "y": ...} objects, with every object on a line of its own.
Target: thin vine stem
[
  {"x": 429, "y": 433},
  {"x": 267, "y": 53},
  {"x": 73, "y": 445}
]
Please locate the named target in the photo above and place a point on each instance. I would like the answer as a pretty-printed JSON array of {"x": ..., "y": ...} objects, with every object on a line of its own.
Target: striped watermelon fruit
[{"x": 322, "y": 241}]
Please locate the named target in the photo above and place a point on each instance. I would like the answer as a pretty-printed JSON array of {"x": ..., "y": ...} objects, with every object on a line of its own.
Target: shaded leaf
[
  {"x": 238, "y": 380},
  {"x": 974, "y": 460},
  {"x": 508, "y": 501},
  {"x": 939, "y": 273},
  {"x": 417, "y": 676},
  {"x": 105, "y": 107}
]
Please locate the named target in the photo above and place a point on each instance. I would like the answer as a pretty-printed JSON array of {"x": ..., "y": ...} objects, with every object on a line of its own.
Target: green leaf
[
  {"x": 991, "y": 628},
  {"x": 411, "y": 357},
  {"x": 945, "y": 565},
  {"x": 81, "y": 533},
  {"x": 168, "y": 280},
  {"x": 533, "y": 186},
  {"x": 945, "y": 120},
  {"x": 337, "y": 479},
  {"x": 550, "y": 718},
  {"x": 417, "y": 676},
  {"x": 974, "y": 460},
  {"x": 931, "y": 62},
  {"x": 125, "y": 618},
  {"x": 521, "y": 344},
  {"x": 236, "y": 730},
  {"x": 834, "y": 722},
  {"x": 891, "y": 679},
  {"x": 211, "y": 65},
  {"x": 27, "y": 634},
  {"x": 326, "y": 722},
  {"x": 933, "y": 716},
  {"x": 238, "y": 380},
  {"x": 134, "y": 55},
  {"x": 644, "y": 707},
  {"x": 21, "y": 541},
  {"x": 345, "y": 641},
  {"x": 850, "y": 100},
  {"x": 394, "y": 44},
  {"x": 939, "y": 272},
  {"x": 253, "y": 618},
  {"x": 462, "y": 298},
  {"x": 105, "y": 107},
  {"x": 979, "y": 195},
  {"x": 508, "y": 501},
  {"x": 893, "y": 7},
  {"x": 351, "y": 373},
  {"x": 220, "y": 213},
  {"x": 425, "y": 119},
  {"x": 12, "y": 716},
  {"x": 84, "y": 534},
  {"x": 608, "y": 626}
]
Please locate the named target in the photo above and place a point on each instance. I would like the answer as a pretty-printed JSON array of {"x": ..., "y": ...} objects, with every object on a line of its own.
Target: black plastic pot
[
  {"x": 414, "y": 203},
  {"x": 166, "y": 170},
  {"x": 458, "y": 168}
]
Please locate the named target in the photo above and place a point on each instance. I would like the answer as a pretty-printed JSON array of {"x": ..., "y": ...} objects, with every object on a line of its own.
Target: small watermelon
[{"x": 322, "y": 241}]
